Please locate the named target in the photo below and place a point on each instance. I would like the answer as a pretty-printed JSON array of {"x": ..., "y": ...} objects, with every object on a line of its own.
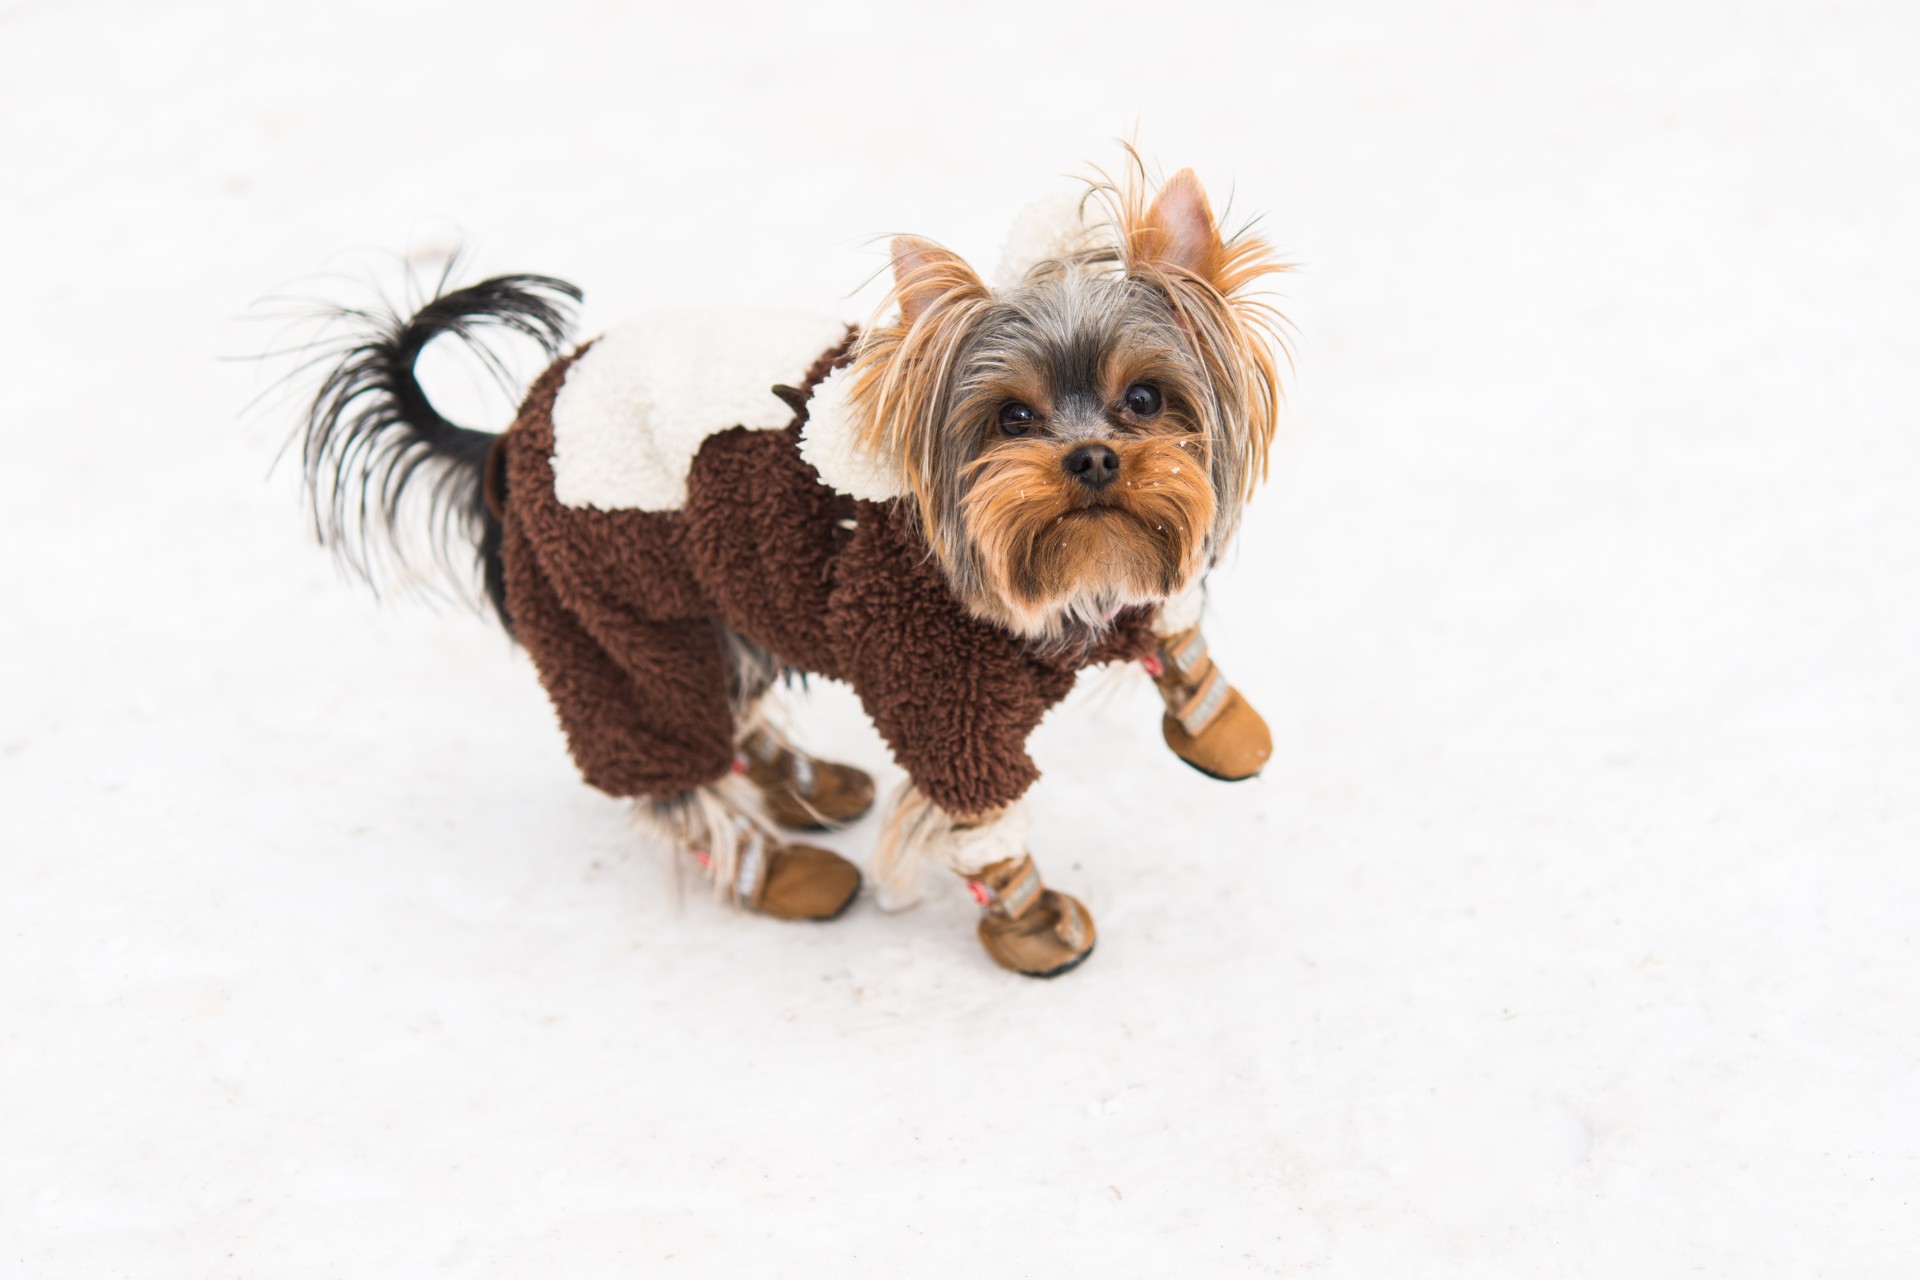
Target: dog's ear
[
  {"x": 1178, "y": 231},
  {"x": 1212, "y": 284},
  {"x": 927, "y": 277}
]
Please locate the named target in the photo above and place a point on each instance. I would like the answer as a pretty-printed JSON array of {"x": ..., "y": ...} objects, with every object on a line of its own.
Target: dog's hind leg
[
  {"x": 650, "y": 719},
  {"x": 718, "y": 826},
  {"x": 648, "y": 715},
  {"x": 798, "y": 791}
]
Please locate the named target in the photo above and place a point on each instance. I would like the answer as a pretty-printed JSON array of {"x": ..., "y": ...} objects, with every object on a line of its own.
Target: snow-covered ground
[{"x": 1570, "y": 933}]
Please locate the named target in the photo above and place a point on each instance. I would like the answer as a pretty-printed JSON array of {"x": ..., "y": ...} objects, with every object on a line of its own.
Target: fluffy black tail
[{"x": 372, "y": 437}]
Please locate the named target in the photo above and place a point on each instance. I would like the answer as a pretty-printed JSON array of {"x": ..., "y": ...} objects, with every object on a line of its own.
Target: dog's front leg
[
  {"x": 1024, "y": 925},
  {"x": 1207, "y": 722},
  {"x": 956, "y": 700}
]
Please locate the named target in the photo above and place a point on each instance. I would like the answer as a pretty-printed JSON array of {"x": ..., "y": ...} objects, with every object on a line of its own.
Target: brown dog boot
[
  {"x": 799, "y": 792},
  {"x": 786, "y": 881},
  {"x": 1208, "y": 724},
  {"x": 749, "y": 865},
  {"x": 1026, "y": 926}
]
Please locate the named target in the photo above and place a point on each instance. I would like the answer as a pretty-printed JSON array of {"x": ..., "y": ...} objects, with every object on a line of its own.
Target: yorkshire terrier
[{"x": 952, "y": 510}]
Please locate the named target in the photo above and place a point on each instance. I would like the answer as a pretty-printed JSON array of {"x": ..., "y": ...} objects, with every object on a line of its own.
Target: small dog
[{"x": 953, "y": 510}]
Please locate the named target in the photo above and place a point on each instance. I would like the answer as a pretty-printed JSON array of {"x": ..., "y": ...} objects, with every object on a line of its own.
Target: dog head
[{"x": 1084, "y": 440}]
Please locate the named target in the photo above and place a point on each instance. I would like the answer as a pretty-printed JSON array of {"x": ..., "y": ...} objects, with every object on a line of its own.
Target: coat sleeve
[{"x": 954, "y": 697}]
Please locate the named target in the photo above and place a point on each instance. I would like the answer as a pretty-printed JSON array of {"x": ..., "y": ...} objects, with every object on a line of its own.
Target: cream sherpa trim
[
  {"x": 1051, "y": 227},
  {"x": 917, "y": 834},
  {"x": 831, "y": 447},
  {"x": 1182, "y": 612},
  {"x": 636, "y": 407}
]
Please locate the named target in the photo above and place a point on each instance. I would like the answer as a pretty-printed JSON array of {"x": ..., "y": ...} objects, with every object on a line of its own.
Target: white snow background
[{"x": 1569, "y": 933}]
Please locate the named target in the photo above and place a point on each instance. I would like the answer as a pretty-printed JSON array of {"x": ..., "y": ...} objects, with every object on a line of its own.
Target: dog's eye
[
  {"x": 1142, "y": 400},
  {"x": 1017, "y": 419}
]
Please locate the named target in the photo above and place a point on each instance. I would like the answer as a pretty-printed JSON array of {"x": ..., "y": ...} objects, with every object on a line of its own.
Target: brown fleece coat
[{"x": 623, "y": 613}]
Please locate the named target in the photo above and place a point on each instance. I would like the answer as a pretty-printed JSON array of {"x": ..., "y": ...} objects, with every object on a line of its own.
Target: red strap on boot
[{"x": 1018, "y": 888}]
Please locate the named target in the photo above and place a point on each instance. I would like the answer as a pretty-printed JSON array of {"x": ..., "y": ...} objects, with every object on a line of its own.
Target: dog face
[
  {"x": 1085, "y": 440},
  {"x": 1075, "y": 442}
]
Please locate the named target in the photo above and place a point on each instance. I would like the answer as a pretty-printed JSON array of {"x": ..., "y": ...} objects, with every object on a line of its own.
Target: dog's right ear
[{"x": 927, "y": 277}]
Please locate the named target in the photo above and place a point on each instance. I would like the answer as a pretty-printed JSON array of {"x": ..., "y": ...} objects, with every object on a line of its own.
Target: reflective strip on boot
[
  {"x": 1186, "y": 655},
  {"x": 753, "y": 863},
  {"x": 1205, "y": 704},
  {"x": 769, "y": 750},
  {"x": 1072, "y": 928}
]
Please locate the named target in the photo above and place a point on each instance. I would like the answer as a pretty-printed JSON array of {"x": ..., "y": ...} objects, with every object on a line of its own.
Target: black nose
[{"x": 1093, "y": 465}]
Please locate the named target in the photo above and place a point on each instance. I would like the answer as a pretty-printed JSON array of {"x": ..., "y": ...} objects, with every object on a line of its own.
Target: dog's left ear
[
  {"x": 1178, "y": 231},
  {"x": 1212, "y": 283}
]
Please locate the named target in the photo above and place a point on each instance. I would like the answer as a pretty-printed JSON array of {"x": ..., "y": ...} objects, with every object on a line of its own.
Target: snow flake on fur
[{"x": 639, "y": 403}]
